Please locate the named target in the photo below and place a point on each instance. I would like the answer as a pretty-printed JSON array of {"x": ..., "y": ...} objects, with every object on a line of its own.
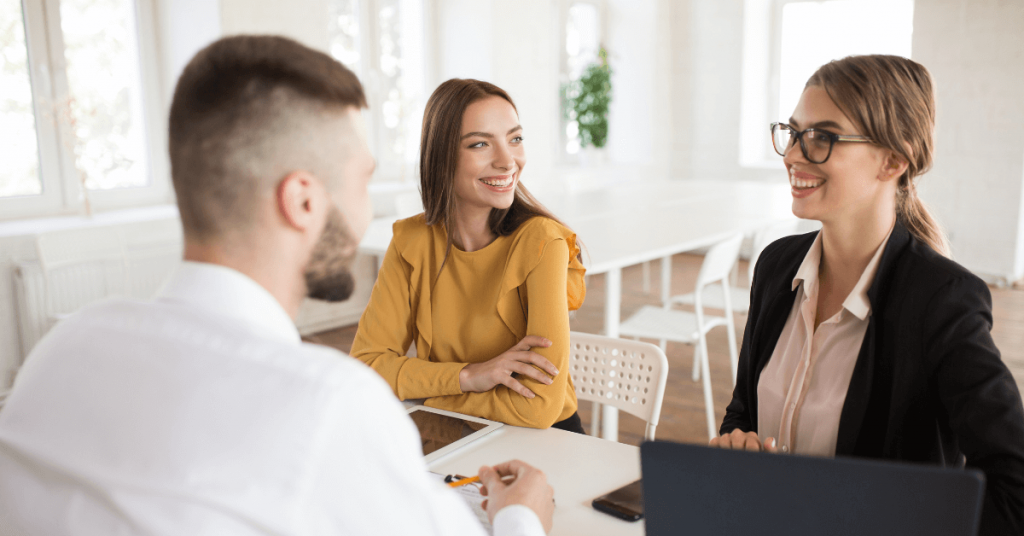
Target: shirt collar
[
  {"x": 227, "y": 292},
  {"x": 857, "y": 302}
]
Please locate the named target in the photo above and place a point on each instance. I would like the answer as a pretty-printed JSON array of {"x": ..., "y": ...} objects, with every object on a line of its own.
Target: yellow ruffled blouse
[{"x": 481, "y": 304}]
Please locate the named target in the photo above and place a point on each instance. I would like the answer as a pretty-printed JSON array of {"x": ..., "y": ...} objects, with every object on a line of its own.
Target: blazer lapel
[{"x": 873, "y": 371}]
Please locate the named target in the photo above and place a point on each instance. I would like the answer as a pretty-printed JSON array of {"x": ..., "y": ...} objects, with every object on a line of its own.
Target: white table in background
[
  {"x": 632, "y": 223},
  {"x": 580, "y": 468}
]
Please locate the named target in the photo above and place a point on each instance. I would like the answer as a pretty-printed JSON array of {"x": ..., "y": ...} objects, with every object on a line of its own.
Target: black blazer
[{"x": 928, "y": 386}]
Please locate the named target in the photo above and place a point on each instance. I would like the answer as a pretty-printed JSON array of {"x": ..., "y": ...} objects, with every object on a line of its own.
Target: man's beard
[{"x": 327, "y": 274}]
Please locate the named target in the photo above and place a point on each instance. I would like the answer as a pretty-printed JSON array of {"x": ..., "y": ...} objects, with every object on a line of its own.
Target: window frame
[
  {"x": 372, "y": 78},
  {"x": 563, "y": 66},
  {"x": 61, "y": 187}
]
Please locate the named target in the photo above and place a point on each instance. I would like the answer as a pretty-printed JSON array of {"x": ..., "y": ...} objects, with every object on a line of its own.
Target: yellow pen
[{"x": 464, "y": 481}]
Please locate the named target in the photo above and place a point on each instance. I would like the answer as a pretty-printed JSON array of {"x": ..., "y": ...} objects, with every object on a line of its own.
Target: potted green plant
[{"x": 586, "y": 101}]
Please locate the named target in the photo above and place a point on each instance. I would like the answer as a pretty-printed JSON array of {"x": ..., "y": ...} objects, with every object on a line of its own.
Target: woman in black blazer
[{"x": 926, "y": 382}]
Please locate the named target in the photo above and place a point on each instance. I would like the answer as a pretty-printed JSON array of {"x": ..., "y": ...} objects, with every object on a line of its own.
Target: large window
[
  {"x": 78, "y": 107},
  {"x": 383, "y": 42},
  {"x": 802, "y": 35},
  {"x": 581, "y": 41}
]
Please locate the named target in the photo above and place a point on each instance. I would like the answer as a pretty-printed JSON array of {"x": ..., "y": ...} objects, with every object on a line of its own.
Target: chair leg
[
  {"x": 666, "y": 281},
  {"x": 646, "y": 277},
  {"x": 696, "y": 362},
  {"x": 595, "y": 419},
  {"x": 649, "y": 432},
  {"x": 709, "y": 406}
]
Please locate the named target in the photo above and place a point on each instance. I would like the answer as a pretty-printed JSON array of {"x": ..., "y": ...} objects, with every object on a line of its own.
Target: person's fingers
[
  {"x": 531, "y": 341},
  {"x": 752, "y": 443},
  {"x": 512, "y": 383},
  {"x": 540, "y": 361},
  {"x": 515, "y": 468},
  {"x": 714, "y": 441},
  {"x": 531, "y": 372},
  {"x": 725, "y": 441},
  {"x": 491, "y": 479},
  {"x": 738, "y": 439},
  {"x": 771, "y": 445}
]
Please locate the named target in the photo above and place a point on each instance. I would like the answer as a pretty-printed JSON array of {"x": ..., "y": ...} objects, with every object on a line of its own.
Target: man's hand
[
  {"x": 740, "y": 440},
  {"x": 516, "y": 482},
  {"x": 482, "y": 377}
]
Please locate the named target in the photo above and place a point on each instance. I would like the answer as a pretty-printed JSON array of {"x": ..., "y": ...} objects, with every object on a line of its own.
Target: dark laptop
[{"x": 691, "y": 489}]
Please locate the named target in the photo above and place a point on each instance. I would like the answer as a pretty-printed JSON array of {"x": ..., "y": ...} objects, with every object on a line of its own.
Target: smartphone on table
[{"x": 626, "y": 502}]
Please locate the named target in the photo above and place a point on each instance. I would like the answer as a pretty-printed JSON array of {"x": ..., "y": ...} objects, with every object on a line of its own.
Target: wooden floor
[{"x": 682, "y": 416}]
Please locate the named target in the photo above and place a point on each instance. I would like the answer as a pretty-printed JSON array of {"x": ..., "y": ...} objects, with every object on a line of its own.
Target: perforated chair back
[
  {"x": 629, "y": 375},
  {"x": 764, "y": 237},
  {"x": 719, "y": 260}
]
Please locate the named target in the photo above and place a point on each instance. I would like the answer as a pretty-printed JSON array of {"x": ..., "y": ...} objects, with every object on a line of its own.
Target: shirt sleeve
[
  {"x": 386, "y": 329},
  {"x": 369, "y": 477},
  {"x": 547, "y": 316},
  {"x": 980, "y": 397},
  {"x": 517, "y": 520},
  {"x": 738, "y": 412}
]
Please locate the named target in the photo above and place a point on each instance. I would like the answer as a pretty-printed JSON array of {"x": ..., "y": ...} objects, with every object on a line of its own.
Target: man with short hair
[{"x": 202, "y": 412}]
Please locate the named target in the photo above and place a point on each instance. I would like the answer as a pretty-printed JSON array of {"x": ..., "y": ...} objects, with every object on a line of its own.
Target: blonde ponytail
[{"x": 914, "y": 215}]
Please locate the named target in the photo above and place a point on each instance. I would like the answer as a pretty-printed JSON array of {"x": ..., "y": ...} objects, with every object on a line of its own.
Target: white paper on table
[{"x": 471, "y": 494}]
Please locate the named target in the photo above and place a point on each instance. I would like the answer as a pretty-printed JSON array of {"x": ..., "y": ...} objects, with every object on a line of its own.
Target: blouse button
[{"x": 785, "y": 448}]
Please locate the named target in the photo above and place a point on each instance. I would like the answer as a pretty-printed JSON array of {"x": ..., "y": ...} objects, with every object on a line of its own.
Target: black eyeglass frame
[{"x": 798, "y": 136}]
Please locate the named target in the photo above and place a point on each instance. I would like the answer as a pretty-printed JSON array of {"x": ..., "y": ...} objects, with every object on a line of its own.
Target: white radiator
[{"x": 141, "y": 276}]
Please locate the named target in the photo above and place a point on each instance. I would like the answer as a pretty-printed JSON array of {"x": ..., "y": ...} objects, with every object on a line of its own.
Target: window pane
[
  {"x": 102, "y": 54},
  {"x": 19, "y": 174},
  {"x": 400, "y": 63},
  {"x": 582, "y": 41},
  {"x": 815, "y": 33},
  {"x": 343, "y": 29}
]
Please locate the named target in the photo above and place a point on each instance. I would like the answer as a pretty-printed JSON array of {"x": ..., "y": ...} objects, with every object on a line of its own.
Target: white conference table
[
  {"x": 632, "y": 223},
  {"x": 580, "y": 468}
]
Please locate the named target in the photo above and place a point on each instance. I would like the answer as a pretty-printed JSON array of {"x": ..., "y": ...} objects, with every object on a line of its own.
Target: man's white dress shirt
[{"x": 202, "y": 412}]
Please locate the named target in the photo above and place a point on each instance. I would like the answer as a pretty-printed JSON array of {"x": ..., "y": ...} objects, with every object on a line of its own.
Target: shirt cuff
[{"x": 517, "y": 520}]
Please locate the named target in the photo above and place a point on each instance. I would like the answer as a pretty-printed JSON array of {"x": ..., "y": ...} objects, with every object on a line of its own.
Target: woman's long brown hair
[
  {"x": 439, "y": 155},
  {"x": 891, "y": 100}
]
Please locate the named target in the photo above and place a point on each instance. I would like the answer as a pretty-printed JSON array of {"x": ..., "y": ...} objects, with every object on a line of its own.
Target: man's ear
[
  {"x": 301, "y": 200},
  {"x": 894, "y": 166}
]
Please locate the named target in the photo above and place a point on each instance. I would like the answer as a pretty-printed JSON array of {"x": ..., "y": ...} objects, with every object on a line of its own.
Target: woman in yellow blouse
[{"x": 483, "y": 281}]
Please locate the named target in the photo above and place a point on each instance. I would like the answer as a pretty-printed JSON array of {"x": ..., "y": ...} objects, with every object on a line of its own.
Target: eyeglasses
[{"x": 815, "y": 144}]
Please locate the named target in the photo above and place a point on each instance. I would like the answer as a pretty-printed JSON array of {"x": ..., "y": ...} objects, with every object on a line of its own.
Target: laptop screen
[{"x": 692, "y": 489}]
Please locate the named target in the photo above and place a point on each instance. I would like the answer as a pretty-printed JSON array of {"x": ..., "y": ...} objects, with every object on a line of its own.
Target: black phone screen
[{"x": 626, "y": 502}]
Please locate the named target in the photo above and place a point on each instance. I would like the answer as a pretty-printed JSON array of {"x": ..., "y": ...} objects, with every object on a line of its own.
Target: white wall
[
  {"x": 302, "y": 20},
  {"x": 185, "y": 27},
  {"x": 975, "y": 52}
]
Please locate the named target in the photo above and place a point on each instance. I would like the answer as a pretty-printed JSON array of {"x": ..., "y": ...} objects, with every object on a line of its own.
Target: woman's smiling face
[
  {"x": 491, "y": 155},
  {"x": 851, "y": 181}
]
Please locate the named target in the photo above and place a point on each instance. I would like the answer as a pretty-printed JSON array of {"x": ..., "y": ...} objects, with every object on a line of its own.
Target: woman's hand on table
[
  {"x": 517, "y": 482},
  {"x": 482, "y": 377},
  {"x": 740, "y": 440}
]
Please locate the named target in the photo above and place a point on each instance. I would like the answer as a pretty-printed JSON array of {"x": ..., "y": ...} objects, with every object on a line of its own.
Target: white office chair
[
  {"x": 714, "y": 298},
  {"x": 68, "y": 258},
  {"x": 666, "y": 324},
  {"x": 629, "y": 375}
]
